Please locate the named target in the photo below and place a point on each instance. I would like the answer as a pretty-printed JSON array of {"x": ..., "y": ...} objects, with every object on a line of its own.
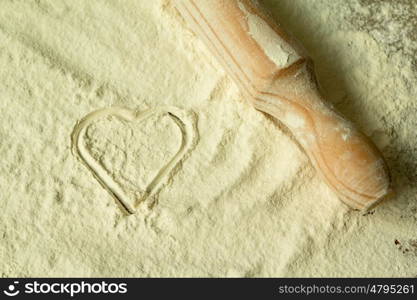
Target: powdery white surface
[
  {"x": 246, "y": 202},
  {"x": 276, "y": 49}
]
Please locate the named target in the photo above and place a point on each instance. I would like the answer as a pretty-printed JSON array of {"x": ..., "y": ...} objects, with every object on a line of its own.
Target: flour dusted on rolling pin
[{"x": 277, "y": 50}]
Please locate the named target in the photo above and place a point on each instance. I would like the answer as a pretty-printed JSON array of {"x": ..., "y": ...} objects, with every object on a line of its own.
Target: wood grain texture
[{"x": 277, "y": 76}]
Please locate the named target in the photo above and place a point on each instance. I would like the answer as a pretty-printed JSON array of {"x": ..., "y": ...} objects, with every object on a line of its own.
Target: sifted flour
[{"x": 246, "y": 201}]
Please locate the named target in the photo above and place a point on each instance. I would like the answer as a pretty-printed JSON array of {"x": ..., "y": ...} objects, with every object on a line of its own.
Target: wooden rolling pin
[{"x": 277, "y": 76}]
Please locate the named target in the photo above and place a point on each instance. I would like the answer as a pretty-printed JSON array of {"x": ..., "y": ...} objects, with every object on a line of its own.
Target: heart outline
[{"x": 189, "y": 139}]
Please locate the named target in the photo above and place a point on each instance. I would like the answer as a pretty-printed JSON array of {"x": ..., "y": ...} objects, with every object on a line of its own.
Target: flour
[
  {"x": 246, "y": 201},
  {"x": 296, "y": 121},
  {"x": 277, "y": 50}
]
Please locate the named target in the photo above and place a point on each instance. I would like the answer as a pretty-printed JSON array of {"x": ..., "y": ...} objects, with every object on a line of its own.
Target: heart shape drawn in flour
[{"x": 185, "y": 121}]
